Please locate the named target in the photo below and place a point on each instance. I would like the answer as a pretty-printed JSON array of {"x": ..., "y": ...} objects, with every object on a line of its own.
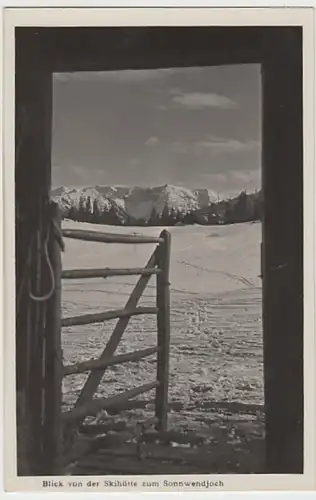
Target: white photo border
[{"x": 163, "y": 17}]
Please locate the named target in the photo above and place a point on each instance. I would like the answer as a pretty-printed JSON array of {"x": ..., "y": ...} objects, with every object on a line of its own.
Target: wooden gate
[{"x": 86, "y": 405}]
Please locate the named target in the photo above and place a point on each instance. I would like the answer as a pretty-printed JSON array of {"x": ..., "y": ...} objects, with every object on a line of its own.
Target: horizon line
[{"x": 147, "y": 186}]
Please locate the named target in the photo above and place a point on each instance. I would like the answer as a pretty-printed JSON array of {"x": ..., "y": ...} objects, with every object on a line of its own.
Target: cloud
[
  {"x": 152, "y": 141},
  {"x": 135, "y": 161},
  {"x": 231, "y": 183},
  {"x": 179, "y": 147},
  {"x": 199, "y": 100},
  {"x": 77, "y": 170},
  {"x": 247, "y": 177},
  {"x": 121, "y": 76},
  {"x": 162, "y": 107},
  {"x": 214, "y": 146},
  {"x": 223, "y": 145}
]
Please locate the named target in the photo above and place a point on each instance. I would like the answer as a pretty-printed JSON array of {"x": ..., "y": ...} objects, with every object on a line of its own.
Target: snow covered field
[{"x": 216, "y": 330}]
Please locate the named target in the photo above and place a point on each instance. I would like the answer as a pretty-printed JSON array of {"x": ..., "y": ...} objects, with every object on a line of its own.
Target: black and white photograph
[
  {"x": 175, "y": 154},
  {"x": 159, "y": 261}
]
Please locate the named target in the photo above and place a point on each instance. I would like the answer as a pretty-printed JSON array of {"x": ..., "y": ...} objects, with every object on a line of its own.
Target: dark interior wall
[
  {"x": 41, "y": 51},
  {"x": 33, "y": 112},
  {"x": 101, "y": 49},
  {"x": 283, "y": 248}
]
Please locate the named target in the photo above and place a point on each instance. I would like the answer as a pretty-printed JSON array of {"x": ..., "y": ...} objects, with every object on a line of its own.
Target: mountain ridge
[
  {"x": 167, "y": 204},
  {"x": 137, "y": 202}
]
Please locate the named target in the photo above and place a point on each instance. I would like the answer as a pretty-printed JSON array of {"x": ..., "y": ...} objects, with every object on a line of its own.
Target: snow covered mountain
[{"x": 135, "y": 202}]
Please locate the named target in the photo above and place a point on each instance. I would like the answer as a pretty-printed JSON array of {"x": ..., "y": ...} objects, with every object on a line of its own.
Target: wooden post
[
  {"x": 53, "y": 365},
  {"x": 283, "y": 250},
  {"x": 33, "y": 99},
  {"x": 163, "y": 334}
]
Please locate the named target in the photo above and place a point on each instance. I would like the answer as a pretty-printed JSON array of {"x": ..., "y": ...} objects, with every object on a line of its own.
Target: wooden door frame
[{"x": 42, "y": 51}]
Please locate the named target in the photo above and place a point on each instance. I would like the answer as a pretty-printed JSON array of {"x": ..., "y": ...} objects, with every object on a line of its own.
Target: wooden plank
[
  {"x": 33, "y": 95},
  {"x": 95, "y": 429},
  {"x": 82, "y": 447},
  {"x": 166, "y": 437},
  {"x": 283, "y": 331},
  {"x": 33, "y": 112},
  {"x": 132, "y": 466},
  {"x": 95, "y": 377},
  {"x": 215, "y": 458},
  {"x": 96, "y": 364},
  {"x": 148, "y": 423},
  {"x": 35, "y": 375},
  {"x": 96, "y": 405},
  {"x": 132, "y": 404},
  {"x": 97, "y": 236},
  {"x": 137, "y": 404},
  {"x": 149, "y": 47},
  {"x": 117, "y": 426},
  {"x": 53, "y": 368},
  {"x": 87, "y": 319},
  {"x": 163, "y": 327},
  {"x": 160, "y": 452},
  {"x": 231, "y": 407},
  {"x": 115, "y": 439},
  {"x": 74, "y": 274}
]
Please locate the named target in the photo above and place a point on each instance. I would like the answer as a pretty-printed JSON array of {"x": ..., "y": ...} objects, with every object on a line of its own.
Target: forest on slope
[{"x": 242, "y": 208}]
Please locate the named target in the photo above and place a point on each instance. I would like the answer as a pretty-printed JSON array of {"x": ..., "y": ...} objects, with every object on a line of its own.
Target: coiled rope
[
  {"x": 48, "y": 295},
  {"x": 54, "y": 230}
]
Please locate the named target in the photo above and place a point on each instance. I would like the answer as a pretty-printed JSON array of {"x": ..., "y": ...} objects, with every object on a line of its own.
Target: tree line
[
  {"x": 243, "y": 208},
  {"x": 89, "y": 210}
]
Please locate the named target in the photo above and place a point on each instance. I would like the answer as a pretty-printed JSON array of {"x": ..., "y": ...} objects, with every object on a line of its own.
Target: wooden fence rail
[
  {"x": 74, "y": 274},
  {"x": 96, "y": 236},
  {"x": 93, "y": 407},
  {"x": 87, "y": 319},
  {"x": 96, "y": 364},
  {"x": 157, "y": 265}
]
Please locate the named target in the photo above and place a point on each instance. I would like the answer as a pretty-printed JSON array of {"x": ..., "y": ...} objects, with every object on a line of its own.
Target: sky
[{"x": 191, "y": 127}]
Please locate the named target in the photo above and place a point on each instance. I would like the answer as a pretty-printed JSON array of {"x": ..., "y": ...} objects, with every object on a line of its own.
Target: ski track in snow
[
  {"x": 242, "y": 279},
  {"x": 216, "y": 329}
]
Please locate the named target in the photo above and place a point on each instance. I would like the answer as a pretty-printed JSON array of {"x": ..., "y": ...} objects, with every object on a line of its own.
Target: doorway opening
[
  {"x": 139, "y": 151},
  {"x": 279, "y": 50}
]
